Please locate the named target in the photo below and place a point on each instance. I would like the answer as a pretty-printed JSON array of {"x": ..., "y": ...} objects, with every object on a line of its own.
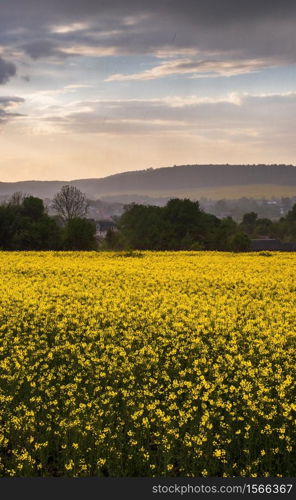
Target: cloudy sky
[{"x": 90, "y": 88}]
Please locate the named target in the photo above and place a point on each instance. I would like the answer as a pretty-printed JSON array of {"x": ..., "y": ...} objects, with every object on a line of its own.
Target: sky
[{"x": 90, "y": 88}]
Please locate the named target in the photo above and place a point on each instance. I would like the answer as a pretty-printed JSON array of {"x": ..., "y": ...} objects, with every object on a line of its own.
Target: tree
[
  {"x": 33, "y": 207},
  {"x": 80, "y": 234},
  {"x": 223, "y": 234},
  {"x": 250, "y": 218},
  {"x": 264, "y": 227},
  {"x": 16, "y": 199},
  {"x": 114, "y": 240},
  {"x": 184, "y": 223},
  {"x": 70, "y": 203},
  {"x": 177, "y": 226},
  {"x": 140, "y": 227},
  {"x": 24, "y": 225},
  {"x": 291, "y": 216},
  {"x": 239, "y": 242},
  {"x": 248, "y": 223},
  {"x": 8, "y": 226}
]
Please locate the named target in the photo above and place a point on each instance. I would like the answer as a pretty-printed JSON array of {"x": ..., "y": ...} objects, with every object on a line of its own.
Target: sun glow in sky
[{"x": 93, "y": 88}]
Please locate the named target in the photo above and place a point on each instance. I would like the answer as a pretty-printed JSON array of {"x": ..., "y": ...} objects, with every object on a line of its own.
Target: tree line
[
  {"x": 25, "y": 224},
  {"x": 283, "y": 229},
  {"x": 180, "y": 225}
]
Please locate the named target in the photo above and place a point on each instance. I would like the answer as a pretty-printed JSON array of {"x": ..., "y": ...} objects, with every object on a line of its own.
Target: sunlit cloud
[
  {"x": 192, "y": 67},
  {"x": 78, "y": 86},
  {"x": 70, "y": 28},
  {"x": 88, "y": 50}
]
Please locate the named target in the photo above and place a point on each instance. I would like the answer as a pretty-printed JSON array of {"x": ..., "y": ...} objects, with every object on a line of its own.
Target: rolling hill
[{"x": 193, "y": 181}]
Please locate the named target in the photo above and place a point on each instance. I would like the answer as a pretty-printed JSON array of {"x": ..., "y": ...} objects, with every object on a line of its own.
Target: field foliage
[{"x": 163, "y": 364}]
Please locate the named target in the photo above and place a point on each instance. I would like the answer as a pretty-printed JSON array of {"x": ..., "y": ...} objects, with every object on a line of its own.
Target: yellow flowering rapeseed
[{"x": 159, "y": 364}]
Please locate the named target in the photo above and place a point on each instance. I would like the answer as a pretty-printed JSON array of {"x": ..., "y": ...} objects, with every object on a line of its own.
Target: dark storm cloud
[
  {"x": 7, "y": 70},
  {"x": 247, "y": 29}
]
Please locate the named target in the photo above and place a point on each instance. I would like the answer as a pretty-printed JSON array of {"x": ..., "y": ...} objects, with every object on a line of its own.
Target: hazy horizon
[{"x": 90, "y": 89}]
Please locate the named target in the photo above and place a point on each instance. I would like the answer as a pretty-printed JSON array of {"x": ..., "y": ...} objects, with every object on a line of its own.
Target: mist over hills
[{"x": 187, "y": 180}]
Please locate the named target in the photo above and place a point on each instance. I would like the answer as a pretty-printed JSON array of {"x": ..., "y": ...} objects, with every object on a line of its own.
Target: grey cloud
[
  {"x": 252, "y": 116},
  {"x": 197, "y": 67},
  {"x": 6, "y": 104},
  {"x": 7, "y": 70},
  {"x": 245, "y": 28},
  {"x": 41, "y": 48},
  {"x": 209, "y": 10},
  {"x": 8, "y": 100}
]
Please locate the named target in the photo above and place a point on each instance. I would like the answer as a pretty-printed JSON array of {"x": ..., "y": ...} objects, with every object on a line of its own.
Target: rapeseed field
[{"x": 159, "y": 364}]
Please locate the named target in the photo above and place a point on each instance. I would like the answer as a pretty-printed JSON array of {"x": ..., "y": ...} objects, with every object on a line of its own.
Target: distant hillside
[{"x": 187, "y": 180}]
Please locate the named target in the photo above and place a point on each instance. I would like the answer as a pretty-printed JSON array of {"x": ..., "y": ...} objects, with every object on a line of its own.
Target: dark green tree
[
  {"x": 114, "y": 241},
  {"x": 79, "y": 234},
  {"x": 141, "y": 227},
  {"x": 177, "y": 226},
  {"x": 239, "y": 242},
  {"x": 224, "y": 232},
  {"x": 33, "y": 208},
  {"x": 9, "y": 223},
  {"x": 24, "y": 225},
  {"x": 249, "y": 222},
  {"x": 263, "y": 227}
]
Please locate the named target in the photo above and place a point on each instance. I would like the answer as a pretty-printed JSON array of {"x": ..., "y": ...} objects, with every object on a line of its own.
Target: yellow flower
[
  {"x": 119, "y": 366},
  {"x": 69, "y": 465}
]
